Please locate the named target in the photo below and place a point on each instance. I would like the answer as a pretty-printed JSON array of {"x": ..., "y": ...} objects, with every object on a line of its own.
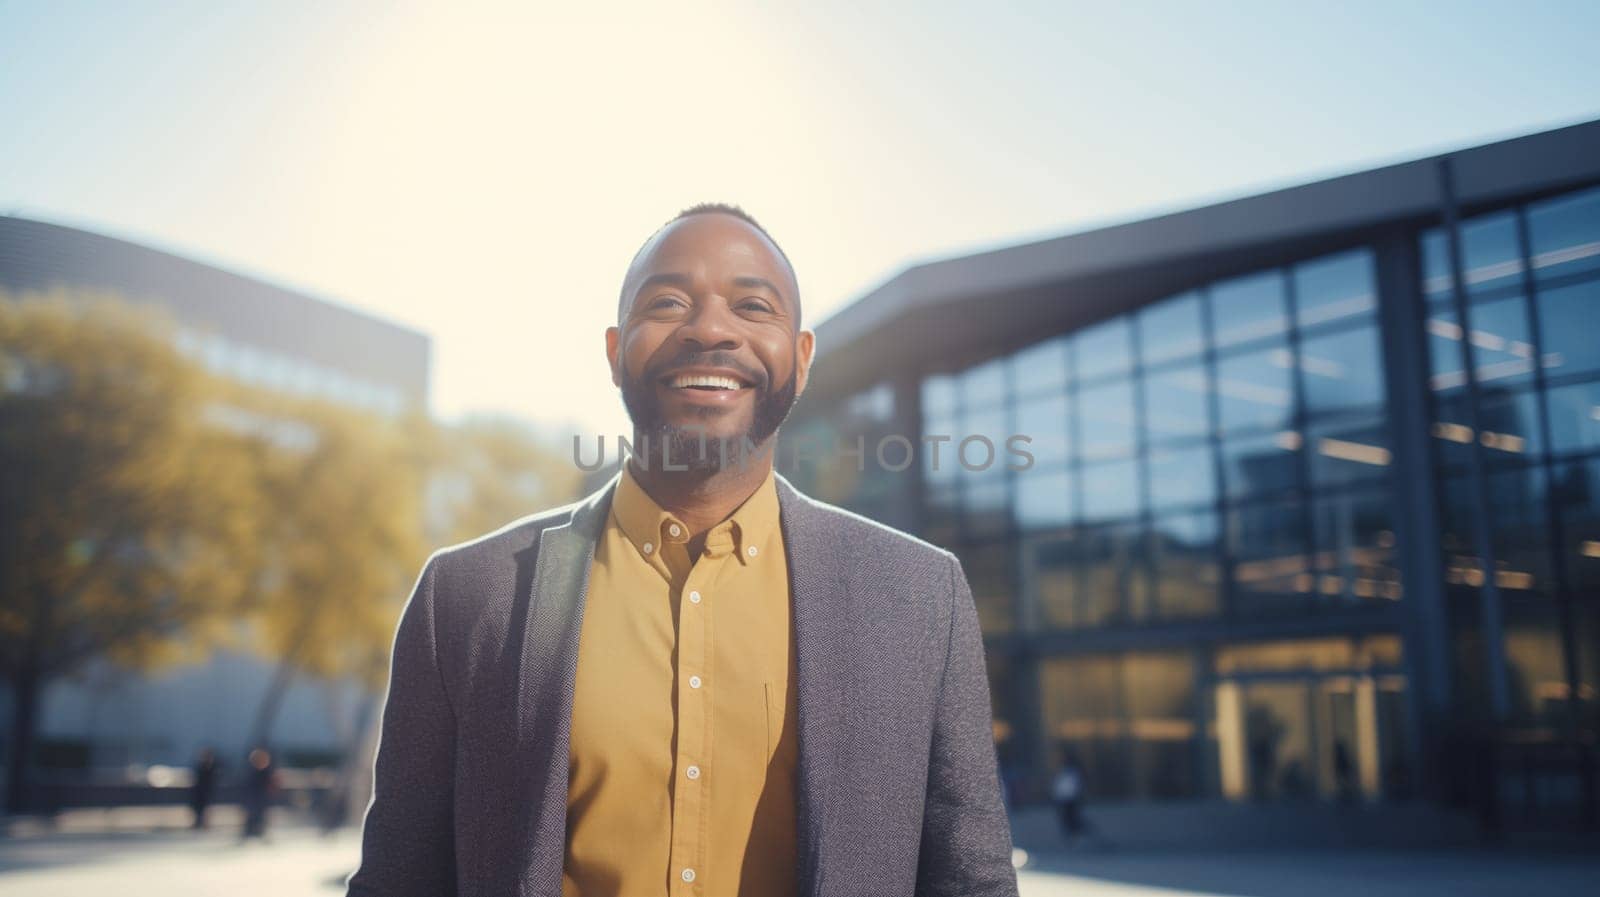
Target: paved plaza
[{"x": 128, "y": 856}]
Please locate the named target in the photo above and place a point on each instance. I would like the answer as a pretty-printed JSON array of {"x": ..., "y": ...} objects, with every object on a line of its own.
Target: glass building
[{"x": 1295, "y": 497}]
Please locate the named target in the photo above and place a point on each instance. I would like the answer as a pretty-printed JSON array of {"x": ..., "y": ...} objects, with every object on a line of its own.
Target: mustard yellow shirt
[{"x": 684, "y": 745}]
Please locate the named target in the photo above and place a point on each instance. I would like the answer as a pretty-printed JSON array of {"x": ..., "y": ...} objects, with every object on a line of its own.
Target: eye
[
  {"x": 662, "y": 302},
  {"x": 755, "y": 303}
]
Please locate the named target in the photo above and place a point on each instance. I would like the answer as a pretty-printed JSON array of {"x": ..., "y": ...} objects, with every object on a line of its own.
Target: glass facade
[
  {"x": 1516, "y": 388},
  {"x": 1219, "y": 453},
  {"x": 1197, "y": 572}
]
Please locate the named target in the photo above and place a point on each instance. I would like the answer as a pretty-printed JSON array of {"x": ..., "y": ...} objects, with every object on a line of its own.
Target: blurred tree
[
  {"x": 487, "y": 471},
  {"x": 341, "y": 536},
  {"x": 125, "y": 521},
  {"x": 481, "y": 474}
]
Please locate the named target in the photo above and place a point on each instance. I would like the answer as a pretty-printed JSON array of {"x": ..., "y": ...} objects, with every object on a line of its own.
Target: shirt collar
[{"x": 652, "y": 529}]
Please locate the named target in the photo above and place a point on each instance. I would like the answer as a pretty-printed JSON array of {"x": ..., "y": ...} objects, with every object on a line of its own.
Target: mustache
[{"x": 719, "y": 358}]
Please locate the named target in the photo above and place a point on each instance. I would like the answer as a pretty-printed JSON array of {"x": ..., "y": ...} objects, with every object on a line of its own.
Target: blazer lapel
[
  {"x": 560, "y": 584},
  {"x": 819, "y": 596}
]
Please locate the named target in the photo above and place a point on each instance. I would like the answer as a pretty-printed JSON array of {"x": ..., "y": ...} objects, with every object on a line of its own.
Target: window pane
[
  {"x": 1343, "y": 372},
  {"x": 984, "y": 384},
  {"x": 940, "y": 438},
  {"x": 1182, "y": 476},
  {"x": 1268, "y": 542},
  {"x": 1184, "y": 551},
  {"x": 1175, "y": 405},
  {"x": 1518, "y": 533},
  {"x": 1159, "y": 695},
  {"x": 1043, "y": 419},
  {"x": 1055, "y": 577},
  {"x": 1575, "y": 418},
  {"x": 1041, "y": 367},
  {"x": 1348, "y": 449},
  {"x": 1579, "y": 500},
  {"x": 1110, "y": 489},
  {"x": 1171, "y": 329},
  {"x": 1116, "y": 586},
  {"x": 1490, "y": 256},
  {"x": 979, "y": 449},
  {"x": 986, "y": 506},
  {"x": 939, "y": 397},
  {"x": 1254, "y": 391},
  {"x": 1510, "y": 422},
  {"x": 1248, "y": 308},
  {"x": 1565, "y": 234},
  {"x": 1500, "y": 344},
  {"x": 1042, "y": 498},
  {"x": 1568, "y": 319},
  {"x": 1104, "y": 349},
  {"x": 943, "y": 515},
  {"x": 1083, "y": 719},
  {"x": 1261, "y": 465},
  {"x": 990, "y": 571},
  {"x": 1106, "y": 420},
  {"x": 1535, "y": 664},
  {"x": 1335, "y": 288},
  {"x": 1435, "y": 266},
  {"x": 1355, "y": 554}
]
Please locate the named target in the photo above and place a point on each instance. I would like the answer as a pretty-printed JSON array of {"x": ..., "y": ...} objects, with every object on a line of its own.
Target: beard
[{"x": 687, "y": 446}]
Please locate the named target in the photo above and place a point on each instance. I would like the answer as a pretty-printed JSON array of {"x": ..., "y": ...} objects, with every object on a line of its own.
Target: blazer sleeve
[
  {"x": 408, "y": 835},
  {"x": 966, "y": 836}
]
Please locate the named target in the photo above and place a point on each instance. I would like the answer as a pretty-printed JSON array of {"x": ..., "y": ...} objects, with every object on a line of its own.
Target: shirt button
[
  {"x": 688, "y": 875},
  {"x": 648, "y": 547},
  {"x": 694, "y": 597},
  {"x": 751, "y": 551},
  {"x": 674, "y": 529},
  {"x": 692, "y": 772},
  {"x": 694, "y": 681}
]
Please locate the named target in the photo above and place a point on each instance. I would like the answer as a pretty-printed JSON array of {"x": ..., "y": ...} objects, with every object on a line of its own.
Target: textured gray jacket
[{"x": 898, "y": 793}]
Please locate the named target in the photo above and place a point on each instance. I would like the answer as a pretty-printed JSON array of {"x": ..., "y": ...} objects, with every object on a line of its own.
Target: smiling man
[{"x": 697, "y": 680}]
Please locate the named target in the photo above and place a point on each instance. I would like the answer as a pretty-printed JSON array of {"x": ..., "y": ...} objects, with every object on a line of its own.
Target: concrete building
[
  {"x": 261, "y": 334},
  {"x": 1311, "y": 507}
]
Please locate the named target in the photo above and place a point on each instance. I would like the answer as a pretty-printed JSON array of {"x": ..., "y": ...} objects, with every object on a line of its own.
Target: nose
[{"x": 711, "y": 325}]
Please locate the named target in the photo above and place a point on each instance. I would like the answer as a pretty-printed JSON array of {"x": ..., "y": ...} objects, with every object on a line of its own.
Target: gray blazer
[{"x": 897, "y": 793}]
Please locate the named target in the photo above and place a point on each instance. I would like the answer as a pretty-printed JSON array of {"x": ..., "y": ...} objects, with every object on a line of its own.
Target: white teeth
[{"x": 686, "y": 380}]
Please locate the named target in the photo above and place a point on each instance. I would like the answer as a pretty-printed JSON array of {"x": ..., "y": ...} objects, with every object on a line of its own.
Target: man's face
[{"x": 707, "y": 343}]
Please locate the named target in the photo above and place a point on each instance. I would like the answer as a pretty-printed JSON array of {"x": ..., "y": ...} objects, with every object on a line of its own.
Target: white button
[
  {"x": 694, "y": 597},
  {"x": 648, "y": 548},
  {"x": 688, "y": 875},
  {"x": 751, "y": 550},
  {"x": 694, "y": 681},
  {"x": 692, "y": 772},
  {"x": 674, "y": 529}
]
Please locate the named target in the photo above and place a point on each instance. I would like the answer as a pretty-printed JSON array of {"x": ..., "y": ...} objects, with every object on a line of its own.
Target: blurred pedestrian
[
  {"x": 1344, "y": 772},
  {"x": 205, "y": 784},
  {"x": 261, "y": 784},
  {"x": 1066, "y": 791}
]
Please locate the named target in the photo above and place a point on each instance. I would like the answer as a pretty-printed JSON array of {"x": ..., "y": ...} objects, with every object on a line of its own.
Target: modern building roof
[
  {"x": 960, "y": 308},
  {"x": 36, "y": 255}
]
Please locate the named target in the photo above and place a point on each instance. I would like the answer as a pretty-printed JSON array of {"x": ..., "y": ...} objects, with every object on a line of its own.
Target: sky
[{"x": 484, "y": 172}]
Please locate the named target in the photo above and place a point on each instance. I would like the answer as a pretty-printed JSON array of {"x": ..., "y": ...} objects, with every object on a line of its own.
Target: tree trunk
[
  {"x": 267, "y": 710},
  {"x": 24, "y": 719}
]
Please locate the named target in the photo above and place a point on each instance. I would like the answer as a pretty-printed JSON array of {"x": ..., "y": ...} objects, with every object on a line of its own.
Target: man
[{"x": 697, "y": 680}]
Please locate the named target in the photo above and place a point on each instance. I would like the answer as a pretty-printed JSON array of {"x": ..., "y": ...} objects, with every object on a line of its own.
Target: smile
[{"x": 712, "y": 381}]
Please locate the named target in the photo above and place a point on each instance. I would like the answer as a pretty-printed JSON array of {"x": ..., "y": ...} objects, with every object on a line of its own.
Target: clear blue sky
[{"x": 484, "y": 173}]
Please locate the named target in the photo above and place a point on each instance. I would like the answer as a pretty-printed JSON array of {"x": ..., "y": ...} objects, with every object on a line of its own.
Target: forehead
[{"x": 720, "y": 245}]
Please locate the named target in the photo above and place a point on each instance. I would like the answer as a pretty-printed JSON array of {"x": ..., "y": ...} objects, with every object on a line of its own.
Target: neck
[{"x": 703, "y": 499}]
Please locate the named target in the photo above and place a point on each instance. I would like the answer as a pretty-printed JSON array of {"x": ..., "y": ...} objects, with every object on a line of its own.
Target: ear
[
  {"x": 613, "y": 348},
  {"x": 805, "y": 345}
]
